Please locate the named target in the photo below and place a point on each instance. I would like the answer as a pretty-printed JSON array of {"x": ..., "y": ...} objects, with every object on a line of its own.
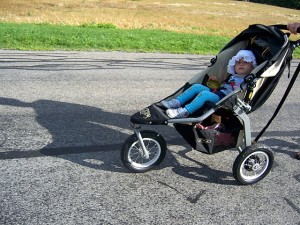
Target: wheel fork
[{"x": 137, "y": 129}]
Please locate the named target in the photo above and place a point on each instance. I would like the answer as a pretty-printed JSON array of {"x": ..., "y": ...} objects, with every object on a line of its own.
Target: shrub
[{"x": 295, "y": 4}]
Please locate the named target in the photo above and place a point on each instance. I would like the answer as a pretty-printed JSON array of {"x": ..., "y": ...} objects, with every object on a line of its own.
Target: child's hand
[{"x": 213, "y": 83}]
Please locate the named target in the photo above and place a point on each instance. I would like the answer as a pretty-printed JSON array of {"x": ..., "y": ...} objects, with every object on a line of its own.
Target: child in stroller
[{"x": 239, "y": 66}]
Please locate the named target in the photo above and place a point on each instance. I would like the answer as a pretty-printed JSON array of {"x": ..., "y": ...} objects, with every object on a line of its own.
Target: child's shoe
[
  {"x": 177, "y": 113},
  {"x": 171, "y": 104}
]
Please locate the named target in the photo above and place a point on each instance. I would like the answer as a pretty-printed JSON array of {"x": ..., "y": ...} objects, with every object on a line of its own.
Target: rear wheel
[
  {"x": 253, "y": 164},
  {"x": 133, "y": 157}
]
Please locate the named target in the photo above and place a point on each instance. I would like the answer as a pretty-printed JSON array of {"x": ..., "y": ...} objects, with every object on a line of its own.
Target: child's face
[{"x": 242, "y": 67}]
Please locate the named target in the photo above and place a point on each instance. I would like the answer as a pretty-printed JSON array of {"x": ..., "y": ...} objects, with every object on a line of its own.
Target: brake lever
[
  {"x": 249, "y": 80},
  {"x": 250, "y": 84}
]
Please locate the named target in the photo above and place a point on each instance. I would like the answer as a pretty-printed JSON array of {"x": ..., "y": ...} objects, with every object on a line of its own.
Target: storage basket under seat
[{"x": 216, "y": 133}]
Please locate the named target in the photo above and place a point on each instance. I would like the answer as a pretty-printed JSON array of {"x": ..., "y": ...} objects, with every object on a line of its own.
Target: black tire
[
  {"x": 253, "y": 164},
  {"x": 132, "y": 156}
]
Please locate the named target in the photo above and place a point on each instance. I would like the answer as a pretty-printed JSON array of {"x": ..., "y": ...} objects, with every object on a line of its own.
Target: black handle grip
[
  {"x": 281, "y": 26},
  {"x": 284, "y": 27}
]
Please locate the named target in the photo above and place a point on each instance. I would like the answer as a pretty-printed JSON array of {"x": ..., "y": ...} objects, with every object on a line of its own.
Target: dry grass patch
[{"x": 220, "y": 17}]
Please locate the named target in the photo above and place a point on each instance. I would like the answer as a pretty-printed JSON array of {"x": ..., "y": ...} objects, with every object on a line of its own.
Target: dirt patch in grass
[{"x": 220, "y": 17}]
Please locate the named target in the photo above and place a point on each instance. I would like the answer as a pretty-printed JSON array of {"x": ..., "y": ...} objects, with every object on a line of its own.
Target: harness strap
[{"x": 280, "y": 103}]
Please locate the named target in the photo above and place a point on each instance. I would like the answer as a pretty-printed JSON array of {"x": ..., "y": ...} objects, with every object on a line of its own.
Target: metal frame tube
[
  {"x": 246, "y": 123},
  {"x": 141, "y": 142}
]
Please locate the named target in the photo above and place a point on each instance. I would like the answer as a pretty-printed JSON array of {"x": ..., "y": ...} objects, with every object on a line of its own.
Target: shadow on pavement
[{"x": 97, "y": 135}]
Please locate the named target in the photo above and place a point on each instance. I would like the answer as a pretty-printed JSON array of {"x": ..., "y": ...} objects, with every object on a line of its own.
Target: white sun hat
[{"x": 246, "y": 55}]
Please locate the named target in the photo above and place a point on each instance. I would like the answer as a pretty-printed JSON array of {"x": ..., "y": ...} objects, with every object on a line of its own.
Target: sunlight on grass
[
  {"x": 52, "y": 37},
  {"x": 187, "y": 26},
  {"x": 220, "y": 17}
]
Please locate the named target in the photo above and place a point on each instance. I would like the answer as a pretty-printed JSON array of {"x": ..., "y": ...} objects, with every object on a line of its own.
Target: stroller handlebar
[
  {"x": 284, "y": 27},
  {"x": 295, "y": 44}
]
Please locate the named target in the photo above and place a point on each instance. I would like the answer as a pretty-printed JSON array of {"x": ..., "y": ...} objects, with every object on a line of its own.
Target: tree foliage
[{"x": 293, "y": 4}]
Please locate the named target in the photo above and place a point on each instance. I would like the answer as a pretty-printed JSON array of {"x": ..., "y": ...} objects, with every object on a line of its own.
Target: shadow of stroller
[
  {"x": 282, "y": 146},
  {"x": 201, "y": 172}
]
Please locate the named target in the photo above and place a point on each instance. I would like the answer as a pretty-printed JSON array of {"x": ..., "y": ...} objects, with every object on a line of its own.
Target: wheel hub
[
  {"x": 255, "y": 167},
  {"x": 252, "y": 164}
]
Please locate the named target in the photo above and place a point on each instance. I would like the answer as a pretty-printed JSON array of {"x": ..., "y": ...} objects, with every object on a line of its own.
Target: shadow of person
[
  {"x": 75, "y": 128},
  {"x": 98, "y": 135}
]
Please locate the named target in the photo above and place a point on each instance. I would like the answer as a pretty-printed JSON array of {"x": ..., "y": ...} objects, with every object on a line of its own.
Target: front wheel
[
  {"x": 253, "y": 164},
  {"x": 133, "y": 157}
]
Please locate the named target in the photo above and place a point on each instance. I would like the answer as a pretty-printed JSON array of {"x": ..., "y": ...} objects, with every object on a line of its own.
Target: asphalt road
[{"x": 65, "y": 115}]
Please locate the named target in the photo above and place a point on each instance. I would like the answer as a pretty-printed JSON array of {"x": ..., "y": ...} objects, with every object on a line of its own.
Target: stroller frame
[
  {"x": 240, "y": 109},
  {"x": 145, "y": 149}
]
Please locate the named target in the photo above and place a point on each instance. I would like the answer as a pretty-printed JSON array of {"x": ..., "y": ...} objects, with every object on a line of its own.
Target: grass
[
  {"x": 104, "y": 37},
  {"x": 216, "y": 18},
  {"x": 185, "y": 26}
]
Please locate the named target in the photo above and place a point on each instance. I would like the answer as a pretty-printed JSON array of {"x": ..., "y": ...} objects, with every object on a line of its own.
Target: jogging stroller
[{"x": 146, "y": 149}]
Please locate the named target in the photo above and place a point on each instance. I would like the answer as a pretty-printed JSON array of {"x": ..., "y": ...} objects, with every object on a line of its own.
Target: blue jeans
[{"x": 201, "y": 93}]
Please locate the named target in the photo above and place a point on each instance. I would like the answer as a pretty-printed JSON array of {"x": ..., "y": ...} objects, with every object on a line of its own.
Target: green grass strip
[{"x": 104, "y": 38}]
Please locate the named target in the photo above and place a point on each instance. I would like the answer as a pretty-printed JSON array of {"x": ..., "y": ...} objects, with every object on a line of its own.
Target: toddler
[{"x": 239, "y": 66}]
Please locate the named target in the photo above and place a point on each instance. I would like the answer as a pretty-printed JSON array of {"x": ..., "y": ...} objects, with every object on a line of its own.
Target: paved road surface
[{"x": 65, "y": 115}]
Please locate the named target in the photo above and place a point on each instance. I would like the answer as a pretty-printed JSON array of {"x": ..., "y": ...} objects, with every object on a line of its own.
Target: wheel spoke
[
  {"x": 136, "y": 154},
  {"x": 254, "y": 165}
]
